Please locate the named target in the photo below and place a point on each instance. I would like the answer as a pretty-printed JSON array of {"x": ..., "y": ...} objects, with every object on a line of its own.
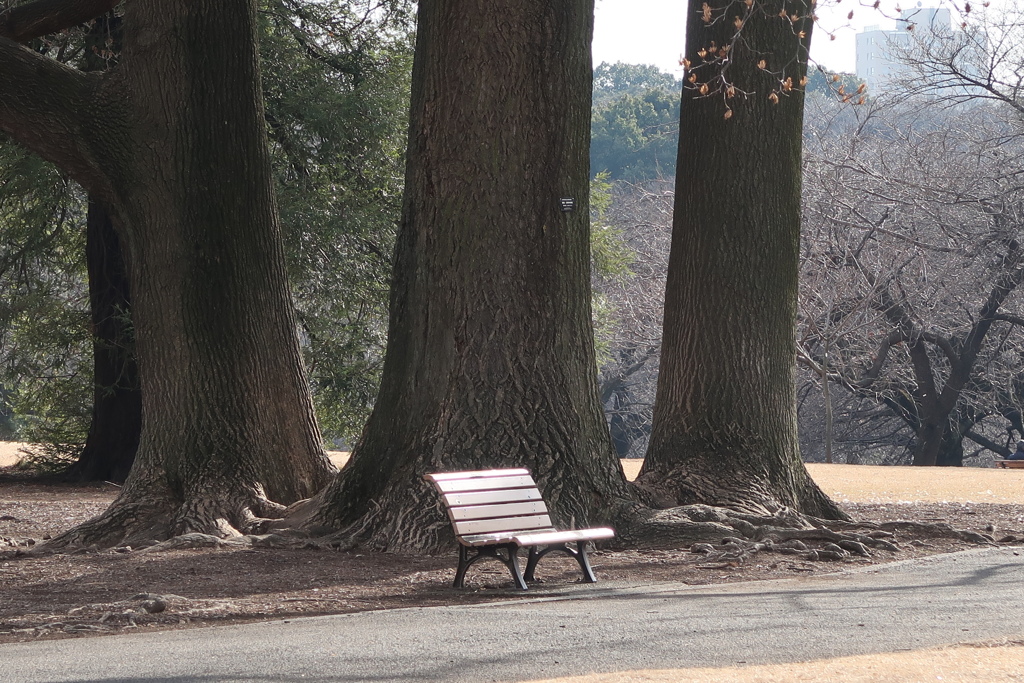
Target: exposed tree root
[
  {"x": 124, "y": 523},
  {"x": 195, "y": 540},
  {"x": 916, "y": 529},
  {"x": 724, "y": 535},
  {"x": 737, "y": 551},
  {"x": 732, "y": 538},
  {"x": 1010, "y": 539},
  {"x": 742, "y": 488},
  {"x": 140, "y": 522}
]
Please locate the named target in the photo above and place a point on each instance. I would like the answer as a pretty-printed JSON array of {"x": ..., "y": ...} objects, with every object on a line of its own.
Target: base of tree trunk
[
  {"x": 727, "y": 537},
  {"x": 739, "y": 490},
  {"x": 136, "y": 521},
  {"x": 731, "y": 538}
]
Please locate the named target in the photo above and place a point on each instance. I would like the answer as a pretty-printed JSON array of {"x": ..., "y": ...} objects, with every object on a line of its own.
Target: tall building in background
[{"x": 875, "y": 63}]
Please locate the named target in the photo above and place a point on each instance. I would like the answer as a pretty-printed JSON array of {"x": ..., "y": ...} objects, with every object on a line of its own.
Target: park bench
[
  {"x": 1011, "y": 464},
  {"x": 496, "y": 512}
]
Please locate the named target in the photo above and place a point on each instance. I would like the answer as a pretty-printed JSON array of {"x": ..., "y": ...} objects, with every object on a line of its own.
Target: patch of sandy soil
[
  {"x": 94, "y": 593},
  {"x": 10, "y": 453},
  {"x": 912, "y": 485},
  {"x": 987, "y": 662}
]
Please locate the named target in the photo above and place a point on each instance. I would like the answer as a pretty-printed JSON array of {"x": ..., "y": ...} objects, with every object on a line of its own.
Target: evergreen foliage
[
  {"x": 336, "y": 88},
  {"x": 635, "y": 123},
  {"x": 610, "y": 261},
  {"x": 44, "y": 322},
  {"x": 612, "y": 81},
  {"x": 634, "y": 137}
]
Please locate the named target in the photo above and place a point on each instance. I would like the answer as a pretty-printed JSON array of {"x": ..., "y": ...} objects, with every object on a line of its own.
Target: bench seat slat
[
  {"x": 536, "y": 507},
  {"x": 474, "y": 540},
  {"x": 448, "y": 476},
  {"x": 488, "y": 497},
  {"x": 517, "y": 524},
  {"x": 547, "y": 537},
  {"x": 538, "y": 537},
  {"x": 488, "y": 484}
]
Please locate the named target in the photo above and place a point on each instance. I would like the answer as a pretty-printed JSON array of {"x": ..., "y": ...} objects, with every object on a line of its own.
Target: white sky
[{"x": 652, "y": 31}]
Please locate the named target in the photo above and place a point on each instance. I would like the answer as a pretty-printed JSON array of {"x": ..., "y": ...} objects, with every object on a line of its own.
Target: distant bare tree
[
  {"x": 642, "y": 214},
  {"x": 912, "y": 257},
  {"x": 976, "y": 61}
]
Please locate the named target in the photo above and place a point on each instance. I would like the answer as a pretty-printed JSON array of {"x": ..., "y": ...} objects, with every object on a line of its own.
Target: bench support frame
[
  {"x": 508, "y": 555},
  {"x": 579, "y": 554},
  {"x": 510, "y": 559}
]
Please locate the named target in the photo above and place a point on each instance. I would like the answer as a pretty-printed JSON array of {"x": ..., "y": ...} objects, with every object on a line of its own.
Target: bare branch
[
  {"x": 1007, "y": 318},
  {"x": 986, "y": 443},
  {"x": 944, "y": 344}
]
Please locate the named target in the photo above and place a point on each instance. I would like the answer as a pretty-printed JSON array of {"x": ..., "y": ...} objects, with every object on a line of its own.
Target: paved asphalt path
[{"x": 604, "y": 628}]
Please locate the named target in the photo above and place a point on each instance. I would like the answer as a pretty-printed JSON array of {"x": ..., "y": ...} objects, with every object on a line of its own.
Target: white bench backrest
[{"x": 492, "y": 501}]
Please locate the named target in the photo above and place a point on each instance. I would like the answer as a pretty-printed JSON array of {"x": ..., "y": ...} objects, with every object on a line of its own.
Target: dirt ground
[{"x": 110, "y": 592}]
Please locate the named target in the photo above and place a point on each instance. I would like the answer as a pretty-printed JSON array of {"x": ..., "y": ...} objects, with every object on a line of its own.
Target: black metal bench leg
[
  {"x": 510, "y": 559},
  {"x": 513, "y": 565},
  {"x": 580, "y": 555},
  {"x": 584, "y": 562},
  {"x": 531, "y": 563},
  {"x": 460, "y": 573}
]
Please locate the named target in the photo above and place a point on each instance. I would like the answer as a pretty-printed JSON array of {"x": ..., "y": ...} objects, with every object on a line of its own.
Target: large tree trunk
[
  {"x": 490, "y": 359},
  {"x": 951, "y": 453},
  {"x": 117, "y": 400},
  {"x": 173, "y": 141},
  {"x": 724, "y": 430},
  {"x": 116, "y": 423},
  {"x": 930, "y": 435},
  {"x": 940, "y": 434}
]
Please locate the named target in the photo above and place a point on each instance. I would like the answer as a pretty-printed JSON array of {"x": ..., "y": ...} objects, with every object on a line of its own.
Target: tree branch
[
  {"x": 878, "y": 361},
  {"x": 1007, "y": 318},
  {"x": 944, "y": 344},
  {"x": 41, "y": 107},
  {"x": 619, "y": 379},
  {"x": 987, "y": 443},
  {"x": 42, "y": 17}
]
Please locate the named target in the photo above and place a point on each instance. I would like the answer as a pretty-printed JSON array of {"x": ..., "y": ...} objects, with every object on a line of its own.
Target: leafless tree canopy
[
  {"x": 912, "y": 257},
  {"x": 643, "y": 215}
]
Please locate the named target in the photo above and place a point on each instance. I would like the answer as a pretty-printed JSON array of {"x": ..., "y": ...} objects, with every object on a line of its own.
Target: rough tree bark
[
  {"x": 173, "y": 141},
  {"x": 724, "y": 430},
  {"x": 490, "y": 359}
]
